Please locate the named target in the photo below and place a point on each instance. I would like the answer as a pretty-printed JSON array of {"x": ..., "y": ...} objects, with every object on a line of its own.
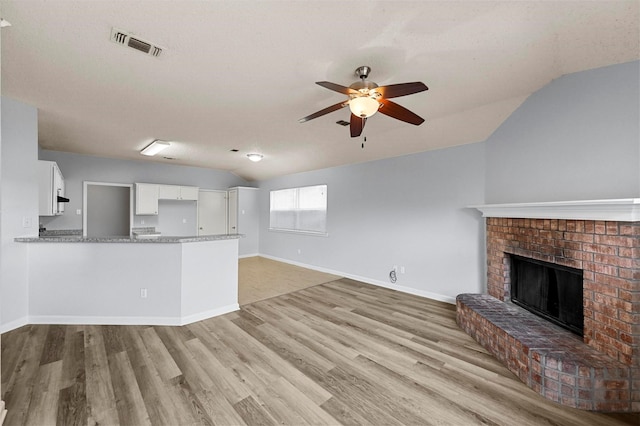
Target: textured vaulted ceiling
[{"x": 239, "y": 74}]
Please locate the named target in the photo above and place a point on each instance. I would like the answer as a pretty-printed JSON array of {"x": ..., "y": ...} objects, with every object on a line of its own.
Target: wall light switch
[
  {"x": 184, "y": 220},
  {"x": 78, "y": 212},
  {"x": 26, "y": 222}
]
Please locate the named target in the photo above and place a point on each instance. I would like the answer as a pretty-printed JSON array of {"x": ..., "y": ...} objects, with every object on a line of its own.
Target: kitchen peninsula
[{"x": 122, "y": 280}]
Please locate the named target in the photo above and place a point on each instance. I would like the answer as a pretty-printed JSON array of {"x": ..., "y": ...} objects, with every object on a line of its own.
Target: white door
[
  {"x": 212, "y": 212},
  {"x": 233, "y": 211}
]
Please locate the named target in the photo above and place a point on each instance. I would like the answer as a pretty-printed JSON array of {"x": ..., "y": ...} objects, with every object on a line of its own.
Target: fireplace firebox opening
[{"x": 551, "y": 291}]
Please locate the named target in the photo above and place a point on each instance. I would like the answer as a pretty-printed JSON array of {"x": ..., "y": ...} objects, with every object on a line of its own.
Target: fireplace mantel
[{"x": 621, "y": 210}]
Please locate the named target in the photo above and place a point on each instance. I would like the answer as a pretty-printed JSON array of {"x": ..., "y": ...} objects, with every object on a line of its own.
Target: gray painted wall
[
  {"x": 577, "y": 138},
  {"x": 77, "y": 168},
  {"x": 248, "y": 221},
  {"x": 108, "y": 210},
  {"x": 19, "y": 200},
  {"x": 407, "y": 211},
  {"x": 177, "y": 218}
]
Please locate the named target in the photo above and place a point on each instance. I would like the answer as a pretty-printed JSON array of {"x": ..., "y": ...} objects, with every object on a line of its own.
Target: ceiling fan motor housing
[{"x": 363, "y": 86}]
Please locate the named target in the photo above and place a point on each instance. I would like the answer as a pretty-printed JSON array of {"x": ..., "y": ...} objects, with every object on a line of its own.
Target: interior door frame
[{"x": 85, "y": 185}]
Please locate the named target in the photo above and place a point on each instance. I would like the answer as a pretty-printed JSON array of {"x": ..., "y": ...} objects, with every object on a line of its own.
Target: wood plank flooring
[
  {"x": 342, "y": 352},
  {"x": 260, "y": 278}
]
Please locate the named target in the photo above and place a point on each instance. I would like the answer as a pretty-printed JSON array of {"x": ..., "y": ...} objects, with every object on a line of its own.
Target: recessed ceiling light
[
  {"x": 155, "y": 147},
  {"x": 255, "y": 157}
]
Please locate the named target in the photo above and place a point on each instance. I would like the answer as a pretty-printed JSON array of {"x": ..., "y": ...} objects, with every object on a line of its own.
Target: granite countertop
[{"x": 135, "y": 239}]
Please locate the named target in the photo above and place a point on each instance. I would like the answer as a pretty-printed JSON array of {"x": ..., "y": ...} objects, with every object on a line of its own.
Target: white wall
[
  {"x": 101, "y": 283},
  {"x": 19, "y": 201},
  {"x": 209, "y": 278},
  {"x": 578, "y": 138},
  {"x": 407, "y": 211},
  {"x": 77, "y": 168}
]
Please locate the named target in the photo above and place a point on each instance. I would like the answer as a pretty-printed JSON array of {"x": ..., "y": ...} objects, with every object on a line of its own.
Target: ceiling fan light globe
[{"x": 363, "y": 106}]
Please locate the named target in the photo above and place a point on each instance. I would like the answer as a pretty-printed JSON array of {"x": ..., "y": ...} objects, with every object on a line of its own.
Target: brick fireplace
[{"x": 599, "y": 372}]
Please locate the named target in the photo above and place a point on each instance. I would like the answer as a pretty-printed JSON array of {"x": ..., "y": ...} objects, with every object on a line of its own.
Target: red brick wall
[{"x": 609, "y": 255}]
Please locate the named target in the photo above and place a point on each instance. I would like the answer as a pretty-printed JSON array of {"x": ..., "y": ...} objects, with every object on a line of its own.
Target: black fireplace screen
[{"x": 551, "y": 291}]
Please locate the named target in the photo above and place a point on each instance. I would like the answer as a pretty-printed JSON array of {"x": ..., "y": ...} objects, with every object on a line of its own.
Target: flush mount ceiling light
[
  {"x": 255, "y": 157},
  {"x": 155, "y": 147}
]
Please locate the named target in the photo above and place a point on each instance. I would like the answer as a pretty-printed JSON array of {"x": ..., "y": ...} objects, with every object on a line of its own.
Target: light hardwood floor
[
  {"x": 342, "y": 352},
  {"x": 260, "y": 278}
]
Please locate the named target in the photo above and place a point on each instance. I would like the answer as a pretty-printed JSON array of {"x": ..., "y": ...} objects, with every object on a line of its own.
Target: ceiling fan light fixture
[
  {"x": 363, "y": 106},
  {"x": 154, "y": 147},
  {"x": 255, "y": 157}
]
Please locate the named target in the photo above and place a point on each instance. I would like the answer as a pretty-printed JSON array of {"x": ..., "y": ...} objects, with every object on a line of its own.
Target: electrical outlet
[
  {"x": 142, "y": 222},
  {"x": 26, "y": 222},
  {"x": 299, "y": 251},
  {"x": 402, "y": 269},
  {"x": 78, "y": 212},
  {"x": 143, "y": 293},
  {"x": 184, "y": 220}
]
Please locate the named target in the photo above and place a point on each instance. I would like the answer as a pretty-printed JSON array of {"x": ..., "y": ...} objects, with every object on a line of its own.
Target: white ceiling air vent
[{"x": 124, "y": 38}]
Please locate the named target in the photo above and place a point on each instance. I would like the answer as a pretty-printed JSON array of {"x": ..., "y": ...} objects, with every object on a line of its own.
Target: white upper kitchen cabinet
[
  {"x": 50, "y": 187},
  {"x": 147, "y": 198},
  {"x": 177, "y": 192}
]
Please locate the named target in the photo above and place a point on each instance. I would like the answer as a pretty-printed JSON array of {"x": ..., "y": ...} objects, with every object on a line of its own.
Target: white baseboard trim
[
  {"x": 209, "y": 314},
  {"x": 79, "y": 320},
  {"x": 403, "y": 289},
  {"x": 12, "y": 325},
  {"x": 248, "y": 255}
]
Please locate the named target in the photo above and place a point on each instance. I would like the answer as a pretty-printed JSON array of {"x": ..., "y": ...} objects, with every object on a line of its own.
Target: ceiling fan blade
[
  {"x": 357, "y": 124},
  {"x": 398, "y": 112},
  {"x": 402, "y": 89},
  {"x": 322, "y": 112},
  {"x": 336, "y": 87}
]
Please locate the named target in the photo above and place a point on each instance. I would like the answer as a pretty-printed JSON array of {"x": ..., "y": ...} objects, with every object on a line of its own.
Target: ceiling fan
[{"x": 366, "y": 98}]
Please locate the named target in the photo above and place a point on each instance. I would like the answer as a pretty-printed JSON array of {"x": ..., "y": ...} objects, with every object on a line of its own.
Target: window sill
[{"x": 292, "y": 231}]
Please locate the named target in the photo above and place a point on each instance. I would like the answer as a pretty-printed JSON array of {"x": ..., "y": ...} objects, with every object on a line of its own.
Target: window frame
[{"x": 301, "y": 231}]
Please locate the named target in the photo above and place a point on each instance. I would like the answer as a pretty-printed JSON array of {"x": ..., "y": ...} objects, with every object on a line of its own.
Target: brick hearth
[{"x": 609, "y": 354}]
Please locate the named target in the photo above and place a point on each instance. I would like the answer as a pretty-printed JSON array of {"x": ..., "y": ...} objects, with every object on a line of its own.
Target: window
[{"x": 299, "y": 210}]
